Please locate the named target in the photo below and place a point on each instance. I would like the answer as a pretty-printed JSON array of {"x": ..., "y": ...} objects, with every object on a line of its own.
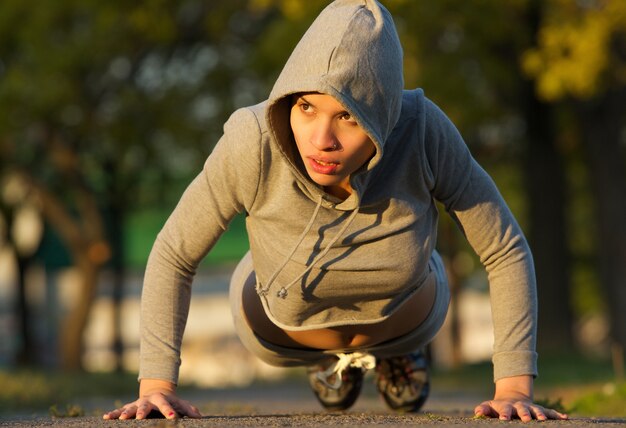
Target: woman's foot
[
  {"x": 403, "y": 382},
  {"x": 337, "y": 384}
]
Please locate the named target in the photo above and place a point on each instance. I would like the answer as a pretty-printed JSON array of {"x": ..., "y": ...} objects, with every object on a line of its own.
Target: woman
[{"x": 338, "y": 173}]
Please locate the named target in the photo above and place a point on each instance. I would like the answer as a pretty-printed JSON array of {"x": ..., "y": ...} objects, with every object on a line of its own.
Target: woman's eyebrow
[{"x": 301, "y": 97}]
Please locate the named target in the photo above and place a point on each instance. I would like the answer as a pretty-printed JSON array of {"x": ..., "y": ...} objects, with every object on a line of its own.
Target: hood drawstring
[
  {"x": 360, "y": 360},
  {"x": 282, "y": 293}
]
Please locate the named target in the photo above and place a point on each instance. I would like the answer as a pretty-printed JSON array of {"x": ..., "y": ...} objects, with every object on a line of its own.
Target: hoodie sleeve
[
  {"x": 472, "y": 199},
  {"x": 226, "y": 186}
]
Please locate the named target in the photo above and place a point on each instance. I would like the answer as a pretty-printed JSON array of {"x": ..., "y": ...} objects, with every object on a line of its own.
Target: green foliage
[
  {"x": 121, "y": 101},
  {"x": 143, "y": 227},
  {"x": 290, "y": 20},
  {"x": 70, "y": 411},
  {"x": 572, "y": 370},
  {"x": 36, "y": 390},
  {"x": 580, "y": 49},
  {"x": 135, "y": 89},
  {"x": 554, "y": 404},
  {"x": 607, "y": 401}
]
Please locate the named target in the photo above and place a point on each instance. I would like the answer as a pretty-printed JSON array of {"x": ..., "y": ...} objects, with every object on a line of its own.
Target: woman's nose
[{"x": 323, "y": 138}]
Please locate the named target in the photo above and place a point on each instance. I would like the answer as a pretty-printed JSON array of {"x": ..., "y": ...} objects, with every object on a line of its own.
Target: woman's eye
[
  {"x": 347, "y": 117},
  {"x": 305, "y": 107}
]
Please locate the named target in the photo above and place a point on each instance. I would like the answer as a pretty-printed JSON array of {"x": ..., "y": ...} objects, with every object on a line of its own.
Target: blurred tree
[
  {"x": 580, "y": 61},
  {"x": 547, "y": 190},
  {"x": 105, "y": 105},
  {"x": 21, "y": 231}
]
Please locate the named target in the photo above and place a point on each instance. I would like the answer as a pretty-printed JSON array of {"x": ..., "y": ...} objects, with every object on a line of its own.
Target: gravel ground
[
  {"x": 309, "y": 420},
  {"x": 292, "y": 405}
]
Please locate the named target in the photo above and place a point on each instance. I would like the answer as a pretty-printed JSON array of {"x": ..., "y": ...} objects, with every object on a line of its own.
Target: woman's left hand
[
  {"x": 526, "y": 410},
  {"x": 514, "y": 398}
]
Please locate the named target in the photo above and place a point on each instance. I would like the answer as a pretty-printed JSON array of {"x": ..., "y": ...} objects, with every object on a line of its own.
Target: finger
[
  {"x": 504, "y": 411},
  {"x": 128, "y": 412},
  {"x": 187, "y": 409},
  {"x": 553, "y": 414},
  {"x": 113, "y": 414},
  {"x": 483, "y": 409},
  {"x": 523, "y": 412},
  {"x": 184, "y": 408},
  {"x": 487, "y": 409},
  {"x": 538, "y": 413},
  {"x": 143, "y": 410},
  {"x": 164, "y": 406}
]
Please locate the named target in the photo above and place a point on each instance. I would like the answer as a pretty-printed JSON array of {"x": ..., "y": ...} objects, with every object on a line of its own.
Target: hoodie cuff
[
  {"x": 514, "y": 363},
  {"x": 157, "y": 369}
]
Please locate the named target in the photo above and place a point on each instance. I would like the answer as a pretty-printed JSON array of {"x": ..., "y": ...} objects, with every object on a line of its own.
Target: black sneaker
[
  {"x": 338, "y": 385},
  {"x": 403, "y": 382}
]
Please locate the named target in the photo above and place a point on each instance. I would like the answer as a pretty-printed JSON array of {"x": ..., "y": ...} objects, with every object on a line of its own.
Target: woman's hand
[
  {"x": 514, "y": 398},
  {"x": 155, "y": 395},
  {"x": 526, "y": 410}
]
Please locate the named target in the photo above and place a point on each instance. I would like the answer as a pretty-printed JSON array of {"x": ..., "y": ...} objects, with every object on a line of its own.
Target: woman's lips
[{"x": 323, "y": 166}]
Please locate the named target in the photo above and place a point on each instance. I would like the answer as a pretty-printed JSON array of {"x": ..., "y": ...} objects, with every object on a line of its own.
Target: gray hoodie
[{"x": 321, "y": 261}]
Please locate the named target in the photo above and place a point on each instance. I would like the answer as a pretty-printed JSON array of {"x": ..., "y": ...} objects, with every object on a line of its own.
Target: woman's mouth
[{"x": 323, "y": 167}]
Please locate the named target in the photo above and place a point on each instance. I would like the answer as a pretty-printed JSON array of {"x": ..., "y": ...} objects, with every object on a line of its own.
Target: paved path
[
  {"x": 313, "y": 420},
  {"x": 292, "y": 404}
]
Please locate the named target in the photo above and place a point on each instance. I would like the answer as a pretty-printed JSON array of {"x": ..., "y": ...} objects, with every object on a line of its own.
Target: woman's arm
[
  {"x": 474, "y": 202},
  {"x": 226, "y": 186}
]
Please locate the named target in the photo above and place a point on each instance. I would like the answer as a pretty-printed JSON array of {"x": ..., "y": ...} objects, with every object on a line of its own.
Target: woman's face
[{"x": 332, "y": 145}]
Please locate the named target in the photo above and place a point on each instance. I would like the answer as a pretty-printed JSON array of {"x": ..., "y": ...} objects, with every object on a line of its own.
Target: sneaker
[
  {"x": 338, "y": 386},
  {"x": 403, "y": 382}
]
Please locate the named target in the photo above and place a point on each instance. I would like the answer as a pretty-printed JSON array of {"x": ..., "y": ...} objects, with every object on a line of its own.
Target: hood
[{"x": 351, "y": 52}]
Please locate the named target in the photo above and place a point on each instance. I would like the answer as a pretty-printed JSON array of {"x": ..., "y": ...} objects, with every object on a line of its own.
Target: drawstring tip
[{"x": 282, "y": 293}]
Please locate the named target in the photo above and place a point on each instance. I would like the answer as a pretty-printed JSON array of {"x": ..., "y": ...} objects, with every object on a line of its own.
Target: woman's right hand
[{"x": 157, "y": 395}]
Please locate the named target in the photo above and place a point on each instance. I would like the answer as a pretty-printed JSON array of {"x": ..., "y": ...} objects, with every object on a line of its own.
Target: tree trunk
[
  {"x": 545, "y": 182},
  {"x": 26, "y": 349},
  {"x": 83, "y": 236},
  {"x": 601, "y": 123},
  {"x": 117, "y": 244},
  {"x": 26, "y": 353},
  {"x": 73, "y": 325},
  {"x": 547, "y": 236},
  {"x": 116, "y": 206}
]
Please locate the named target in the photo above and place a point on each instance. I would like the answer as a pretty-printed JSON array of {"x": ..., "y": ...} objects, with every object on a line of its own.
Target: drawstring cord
[
  {"x": 282, "y": 293},
  {"x": 360, "y": 360},
  {"x": 263, "y": 291}
]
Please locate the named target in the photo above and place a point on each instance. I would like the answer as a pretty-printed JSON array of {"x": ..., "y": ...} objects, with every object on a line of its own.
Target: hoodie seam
[
  {"x": 353, "y": 108},
  {"x": 259, "y": 143},
  {"x": 428, "y": 173}
]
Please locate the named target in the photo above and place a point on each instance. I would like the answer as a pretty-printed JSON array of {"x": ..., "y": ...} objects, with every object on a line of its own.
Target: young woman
[{"x": 338, "y": 173}]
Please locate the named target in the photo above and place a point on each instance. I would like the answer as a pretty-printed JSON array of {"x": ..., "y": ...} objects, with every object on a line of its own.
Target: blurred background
[{"x": 108, "y": 110}]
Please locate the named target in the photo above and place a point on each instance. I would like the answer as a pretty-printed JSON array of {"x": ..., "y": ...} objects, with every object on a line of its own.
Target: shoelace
[{"x": 360, "y": 360}]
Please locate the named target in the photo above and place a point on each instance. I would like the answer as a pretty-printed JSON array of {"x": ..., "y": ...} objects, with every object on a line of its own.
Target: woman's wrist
[
  {"x": 149, "y": 386},
  {"x": 518, "y": 387}
]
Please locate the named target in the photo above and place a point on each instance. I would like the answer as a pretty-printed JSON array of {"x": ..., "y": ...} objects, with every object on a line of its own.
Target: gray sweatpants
[{"x": 282, "y": 356}]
